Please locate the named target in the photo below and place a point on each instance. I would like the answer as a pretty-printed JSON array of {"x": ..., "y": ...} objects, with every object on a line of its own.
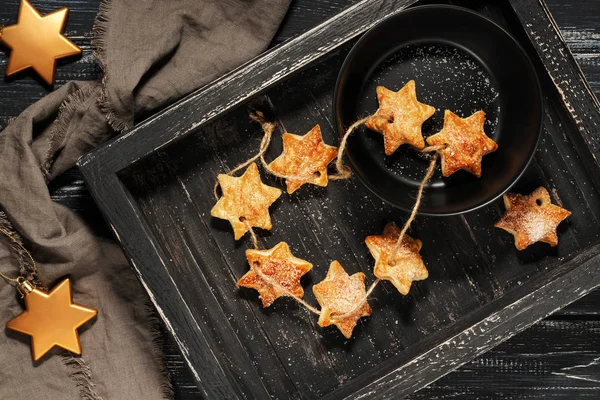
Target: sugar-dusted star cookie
[
  {"x": 37, "y": 42},
  {"x": 342, "y": 299},
  {"x": 407, "y": 265},
  {"x": 531, "y": 218},
  {"x": 402, "y": 116},
  {"x": 245, "y": 201},
  {"x": 274, "y": 273},
  {"x": 304, "y": 156},
  {"x": 466, "y": 143}
]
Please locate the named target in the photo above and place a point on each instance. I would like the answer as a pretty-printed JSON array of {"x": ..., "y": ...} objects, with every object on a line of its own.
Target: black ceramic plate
[{"x": 460, "y": 61}]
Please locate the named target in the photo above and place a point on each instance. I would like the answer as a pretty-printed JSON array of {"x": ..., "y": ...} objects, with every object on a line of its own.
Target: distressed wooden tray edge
[
  {"x": 100, "y": 170},
  {"x": 481, "y": 331}
]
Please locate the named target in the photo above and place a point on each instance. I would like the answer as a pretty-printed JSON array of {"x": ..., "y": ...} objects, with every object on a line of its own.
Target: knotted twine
[{"x": 342, "y": 172}]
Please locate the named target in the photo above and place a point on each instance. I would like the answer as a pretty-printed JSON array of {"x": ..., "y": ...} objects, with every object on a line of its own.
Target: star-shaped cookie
[
  {"x": 245, "y": 201},
  {"x": 531, "y": 218},
  {"x": 342, "y": 299},
  {"x": 402, "y": 116},
  {"x": 305, "y": 156},
  {"x": 466, "y": 143},
  {"x": 407, "y": 265},
  {"x": 274, "y": 273}
]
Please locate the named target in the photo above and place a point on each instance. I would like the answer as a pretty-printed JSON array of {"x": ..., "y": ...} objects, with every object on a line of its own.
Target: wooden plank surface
[
  {"x": 202, "y": 154},
  {"x": 564, "y": 366}
]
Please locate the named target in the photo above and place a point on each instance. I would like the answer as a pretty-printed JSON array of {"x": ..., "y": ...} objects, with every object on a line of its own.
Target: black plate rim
[{"x": 516, "y": 178}]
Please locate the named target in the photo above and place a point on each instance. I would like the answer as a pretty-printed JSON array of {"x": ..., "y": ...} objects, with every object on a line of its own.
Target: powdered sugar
[{"x": 446, "y": 77}]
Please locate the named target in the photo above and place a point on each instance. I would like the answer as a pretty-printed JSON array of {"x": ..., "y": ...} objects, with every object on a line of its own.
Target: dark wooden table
[{"x": 556, "y": 358}]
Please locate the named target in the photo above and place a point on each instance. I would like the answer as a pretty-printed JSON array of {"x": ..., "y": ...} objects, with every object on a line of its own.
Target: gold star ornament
[
  {"x": 465, "y": 143},
  {"x": 342, "y": 299},
  {"x": 52, "y": 319},
  {"x": 245, "y": 202},
  {"x": 401, "y": 116},
  {"x": 304, "y": 156},
  {"x": 274, "y": 273},
  {"x": 37, "y": 42},
  {"x": 532, "y": 218},
  {"x": 407, "y": 265}
]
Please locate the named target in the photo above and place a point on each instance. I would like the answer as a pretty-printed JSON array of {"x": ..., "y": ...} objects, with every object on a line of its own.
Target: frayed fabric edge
[
  {"x": 153, "y": 324},
  {"x": 7, "y": 122},
  {"x": 82, "y": 376},
  {"x": 158, "y": 349},
  {"x": 61, "y": 124},
  {"x": 81, "y": 373},
  {"x": 26, "y": 269},
  {"x": 99, "y": 45}
]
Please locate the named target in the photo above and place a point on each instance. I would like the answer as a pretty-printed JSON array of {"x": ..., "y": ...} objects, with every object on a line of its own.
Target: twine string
[
  {"x": 343, "y": 172},
  {"x": 20, "y": 279},
  {"x": 433, "y": 149},
  {"x": 288, "y": 293},
  {"x": 252, "y": 235},
  {"x": 268, "y": 128},
  {"x": 393, "y": 255},
  {"x": 398, "y": 244},
  {"x": 274, "y": 283},
  {"x": 264, "y": 145},
  {"x": 359, "y": 304}
]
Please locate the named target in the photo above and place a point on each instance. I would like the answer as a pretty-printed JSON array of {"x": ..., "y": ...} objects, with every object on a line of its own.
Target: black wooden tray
[{"x": 154, "y": 186}]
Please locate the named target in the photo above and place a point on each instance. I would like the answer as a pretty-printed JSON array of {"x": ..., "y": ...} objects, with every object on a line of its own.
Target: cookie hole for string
[
  {"x": 242, "y": 219},
  {"x": 317, "y": 174},
  {"x": 390, "y": 120},
  {"x": 255, "y": 264},
  {"x": 539, "y": 202}
]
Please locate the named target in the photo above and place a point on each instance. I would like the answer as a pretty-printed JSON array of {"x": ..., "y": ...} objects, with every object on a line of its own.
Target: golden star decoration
[
  {"x": 466, "y": 143},
  {"x": 52, "y": 319},
  {"x": 407, "y": 265},
  {"x": 532, "y": 218},
  {"x": 402, "y": 117},
  {"x": 274, "y": 273},
  {"x": 342, "y": 299},
  {"x": 37, "y": 42},
  {"x": 306, "y": 156},
  {"x": 245, "y": 202}
]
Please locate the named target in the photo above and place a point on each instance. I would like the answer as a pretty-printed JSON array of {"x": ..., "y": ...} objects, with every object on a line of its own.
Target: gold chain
[{"x": 20, "y": 279}]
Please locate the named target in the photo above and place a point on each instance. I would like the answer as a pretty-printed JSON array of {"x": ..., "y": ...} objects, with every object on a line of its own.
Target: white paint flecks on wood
[{"x": 527, "y": 361}]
